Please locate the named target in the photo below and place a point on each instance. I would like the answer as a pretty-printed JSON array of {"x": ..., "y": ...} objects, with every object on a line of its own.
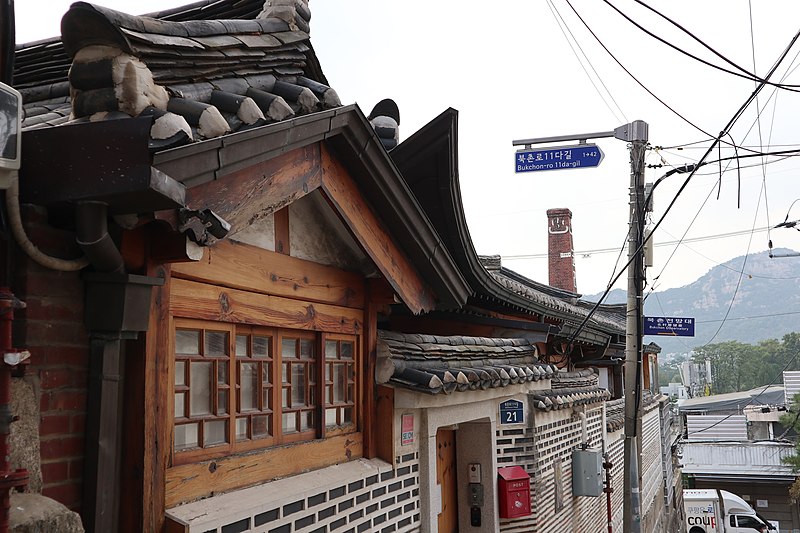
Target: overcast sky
[{"x": 511, "y": 71}]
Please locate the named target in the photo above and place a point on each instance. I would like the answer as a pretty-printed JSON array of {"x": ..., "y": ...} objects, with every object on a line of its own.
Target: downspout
[{"x": 117, "y": 308}]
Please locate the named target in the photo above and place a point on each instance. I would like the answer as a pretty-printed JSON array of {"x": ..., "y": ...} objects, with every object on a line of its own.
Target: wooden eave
[
  {"x": 429, "y": 162},
  {"x": 345, "y": 132}
]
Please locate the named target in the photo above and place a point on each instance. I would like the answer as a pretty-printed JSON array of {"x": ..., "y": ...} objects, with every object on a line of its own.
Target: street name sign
[
  {"x": 559, "y": 158},
  {"x": 667, "y": 325}
]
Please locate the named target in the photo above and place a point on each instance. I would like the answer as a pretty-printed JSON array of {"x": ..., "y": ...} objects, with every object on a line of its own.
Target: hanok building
[{"x": 275, "y": 324}]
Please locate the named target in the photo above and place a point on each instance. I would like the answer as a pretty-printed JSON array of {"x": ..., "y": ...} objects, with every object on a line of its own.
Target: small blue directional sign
[
  {"x": 559, "y": 158},
  {"x": 666, "y": 325},
  {"x": 511, "y": 412}
]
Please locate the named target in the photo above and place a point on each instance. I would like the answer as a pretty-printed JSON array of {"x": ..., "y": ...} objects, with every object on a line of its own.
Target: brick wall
[
  {"x": 539, "y": 450},
  {"x": 561, "y": 263},
  {"x": 51, "y": 328}
]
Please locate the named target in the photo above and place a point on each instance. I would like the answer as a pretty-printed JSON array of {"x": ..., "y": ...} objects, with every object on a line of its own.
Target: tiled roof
[
  {"x": 198, "y": 79},
  {"x": 607, "y": 318},
  {"x": 435, "y": 364},
  {"x": 568, "y": 389},
  {"x": 615, "y": 414}
]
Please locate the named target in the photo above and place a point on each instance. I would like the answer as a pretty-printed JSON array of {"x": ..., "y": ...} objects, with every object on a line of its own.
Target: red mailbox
[{"x": 515, "y": 492}]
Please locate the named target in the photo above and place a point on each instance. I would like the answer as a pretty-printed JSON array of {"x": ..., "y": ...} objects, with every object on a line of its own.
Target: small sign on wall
[
  {"x": 511, "y": 412},
  {"x": 762, "y": 503},
  {"x": 407, "y": 429}
]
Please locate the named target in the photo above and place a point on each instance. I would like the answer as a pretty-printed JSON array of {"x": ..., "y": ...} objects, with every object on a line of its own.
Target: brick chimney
[{"x": 560, "y": 251}]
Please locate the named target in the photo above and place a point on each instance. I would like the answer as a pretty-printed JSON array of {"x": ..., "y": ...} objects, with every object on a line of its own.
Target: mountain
[{"x": 766, "y": 304}]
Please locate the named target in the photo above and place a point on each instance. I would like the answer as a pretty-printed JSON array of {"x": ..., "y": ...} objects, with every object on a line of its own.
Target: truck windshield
[{"x": 771, "y": 527}]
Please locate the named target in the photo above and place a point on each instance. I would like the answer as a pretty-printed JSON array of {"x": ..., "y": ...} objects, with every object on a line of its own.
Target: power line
[
  {"x": 771, "y": 315},
  {"x": 658, "y": 244}
]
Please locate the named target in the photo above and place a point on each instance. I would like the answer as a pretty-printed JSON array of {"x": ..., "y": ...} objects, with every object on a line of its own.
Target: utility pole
[
  {"x": 632, "y": 502},
  {"x": 635, "y": 133}
]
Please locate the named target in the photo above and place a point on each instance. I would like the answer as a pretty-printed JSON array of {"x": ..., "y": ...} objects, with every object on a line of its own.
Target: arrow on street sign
[{"x": 559, "y": 158}]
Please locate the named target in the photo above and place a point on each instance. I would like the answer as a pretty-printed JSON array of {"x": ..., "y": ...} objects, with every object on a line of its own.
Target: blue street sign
[
  {"x": 666, "y": 325},
  {"x": 511, "y": 412},
  {"x": 559, "y": 158}
]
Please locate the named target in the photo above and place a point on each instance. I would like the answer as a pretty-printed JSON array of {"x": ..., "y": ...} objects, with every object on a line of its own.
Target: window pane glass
[
  {"x": 285, "y": 373},
  {"x": 187, "y": 342},
  {"x": 328, "y": 372},
  {"x": 180, "y": 404},
  {"x": 347, "y": 417},
  {"x": 248, "y": 381},
  {"x": 216, "y": 344},
  {"x": 261, "y": 425},
  {"x": 222, "y": 402},
  {"x": 222, "y": 372},
  {"x": 200, "y": 399},
  {"x": 261, "y": 346},
  {"x": 289, "y": 422},
  {"x": 307, "y": 420},
  {"x": 241, "y": 345},
  {"x": 289, "y": 348},
  {"x": 180, "y": 372},
  {"x": 298, "y": 385},
  {"x": 339, "y": 383},
  {"x": 306, "y": 348},
  {"x": 185, "y": 436},
  {"x": 241, "y": 429},
  {"x": 347, "y": 349},
  {"x": 330, "y": 350},
  {"x": 330, "y": 417},
  {"x": 214, "y": 432},
  {"x": 266, "y": 374},
  {"x": 285, "y": 401}
]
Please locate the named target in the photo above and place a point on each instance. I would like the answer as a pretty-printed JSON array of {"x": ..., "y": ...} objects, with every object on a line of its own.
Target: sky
[{"x": 522, "y": 69}]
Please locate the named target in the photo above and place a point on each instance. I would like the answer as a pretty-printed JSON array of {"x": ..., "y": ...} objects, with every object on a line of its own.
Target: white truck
[{"x": 720, "y": 511}]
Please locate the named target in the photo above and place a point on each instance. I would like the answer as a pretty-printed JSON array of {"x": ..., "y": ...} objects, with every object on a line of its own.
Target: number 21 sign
[{"x": 511, "y": 412}]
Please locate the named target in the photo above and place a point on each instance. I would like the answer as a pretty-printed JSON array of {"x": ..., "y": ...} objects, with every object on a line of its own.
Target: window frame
[{"x": 277, "y": 436}]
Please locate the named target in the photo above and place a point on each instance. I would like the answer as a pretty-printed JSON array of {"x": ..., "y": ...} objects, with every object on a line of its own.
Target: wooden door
[{"x": 446, "y": 478}]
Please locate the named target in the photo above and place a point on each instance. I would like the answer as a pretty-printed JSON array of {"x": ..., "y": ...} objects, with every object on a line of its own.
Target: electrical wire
[
  {"x": 727, "y": 127},
  {"x": 562, "y": 25},
  {"x": 744, "y": 73},
  {"x": 634, "y": 78},
  {"x": 748, "y": 74}
]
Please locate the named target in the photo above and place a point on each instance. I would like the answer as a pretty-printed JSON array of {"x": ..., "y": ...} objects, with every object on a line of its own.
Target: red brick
[
  {"x": 62, "y": 447},
  {"x": 54, "y": 284},
  {"x": 45, "y": 332},
  {"x": 48, "y": 307},
  {"x": 54, "y": 473},
  {"x": 69, "y": 494},
  {"x": 54, "y": 424},
  {"x": 68, "y": 400},
  {"x": 66, "y": 355},
  {"x": 56, "y": 378},
  {"x": 78, "y": 423},
  {"x": 76, "y": 469}
]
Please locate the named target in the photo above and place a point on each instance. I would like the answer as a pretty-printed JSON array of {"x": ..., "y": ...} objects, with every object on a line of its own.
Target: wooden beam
[
  {"x": 282, "y": 231},
  {"x": 208, "y": 302},
  {"x": 369, "y": 413},
  {"x": 377, "y": 242},
  {"x": 254, "y": 192},
  {"x": 157, "y": 398},
  {"x": 243, "y": 266},
  {"x": 197, "y": 480},
  {"x": 385, "y": 424}
]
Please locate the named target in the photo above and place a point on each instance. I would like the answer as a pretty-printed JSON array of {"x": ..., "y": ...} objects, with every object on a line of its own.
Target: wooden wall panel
[
  {"x": 251, "y": 193},
  {"x": 197, "y": 300},
  {"x": 243, "y": 266},
  {"x": 377, "y": 242},
  {"x": 192, "y": 481}
]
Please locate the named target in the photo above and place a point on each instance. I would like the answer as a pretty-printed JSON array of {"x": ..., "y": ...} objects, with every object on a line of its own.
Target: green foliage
[
  {"x": 791, "y": 420},
  {"x": 737, "y": 366}
]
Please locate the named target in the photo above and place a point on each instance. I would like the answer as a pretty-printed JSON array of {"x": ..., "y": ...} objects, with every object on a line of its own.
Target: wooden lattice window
[{"x": 239, "y": 388}]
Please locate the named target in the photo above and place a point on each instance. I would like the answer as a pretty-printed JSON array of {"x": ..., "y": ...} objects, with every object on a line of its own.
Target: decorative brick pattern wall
[
  {"x": 615, "y": 448},
  {"x": 381, "y": 502},
  {"x": 555, "y": 435},
  {"x": 653, "y": 511},
  {"x": 51, "y": 327}
]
